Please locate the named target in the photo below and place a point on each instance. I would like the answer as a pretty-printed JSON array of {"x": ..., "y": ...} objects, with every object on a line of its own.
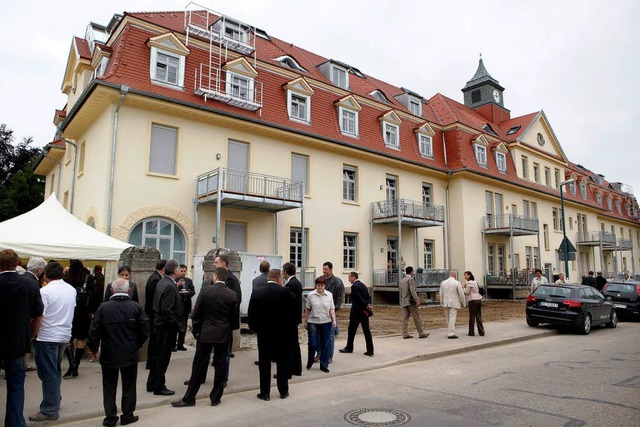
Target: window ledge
[
  {"x": 163, "y": 175},
  {"x": 301, "y": 121},
  {"x": 393, "y": 147},
  {"x": 425, "y": 156},
  {"x": 350, "y": 202},
  {"x": 483, "y": 165},
  {"x": 350, "y": 135},
  {"x": 167, "y": 85}
]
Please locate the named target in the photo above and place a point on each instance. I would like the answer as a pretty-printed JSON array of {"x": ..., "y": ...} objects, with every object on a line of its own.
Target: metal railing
[
  {"x": 625, "y": 244},
  {"x": 408, "y": 209},
  {"x": 429, "y": 278},
  {"x": 519, "y": 222},
  {"x": 604, "y": 237},
  {"x": 307, "y": 277},
  {"x": 214, "y": 83},
  {"x": 249, "y": 183}
]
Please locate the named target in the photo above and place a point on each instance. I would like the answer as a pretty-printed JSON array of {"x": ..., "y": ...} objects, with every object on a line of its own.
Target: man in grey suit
[
  {"x": 214, "y": 318},
  {"x": 262, "y": 278},
  {"x": 410, "y": 305}
]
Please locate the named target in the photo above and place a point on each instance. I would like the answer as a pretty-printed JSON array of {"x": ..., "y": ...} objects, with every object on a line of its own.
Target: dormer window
[
  {"x": 628, "y": 207},
  {"x": 481, "y": 155},
  {"x": 513, "y": 130},
  {"x": 572, "y": 187},
  {"x": 299, "y": 100},
  {"x": 339, "y": 76},
  {"x": 426, "y": 145},
  {"x": 289, "y": 62},
  {"x": 599, "y": 199},
  {"x": 583, "y": 189},
  {"x": 610, "y": 204},
  {"x": 415, "y": 106},
  {"x": 391, "y": 129},
  {"x": 235, "y": 32},
  {"x": 379, "y": 96},
  {"x": 167, "y": 61},
  {"x": 348, "y": 109},
  {"x": 619, "y": 206},
  {"x": 501, "y": 161},
  {"x": 489, "y": 129}
]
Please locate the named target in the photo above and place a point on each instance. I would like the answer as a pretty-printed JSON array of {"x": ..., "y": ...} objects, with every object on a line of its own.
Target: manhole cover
[{"x": 376, "y": 417}]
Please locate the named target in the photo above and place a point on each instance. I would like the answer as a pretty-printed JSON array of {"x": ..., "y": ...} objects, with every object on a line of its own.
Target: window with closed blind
[
  {"x": 163, "y": 150},
  {"x": 235, "y": 236},
  {"x": 300, "y": 170}
]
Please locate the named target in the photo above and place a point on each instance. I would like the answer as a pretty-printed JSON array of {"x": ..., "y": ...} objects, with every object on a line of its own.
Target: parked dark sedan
[
  {"x": 576, "y": 306},
  {"x": 625, "y": 296}
]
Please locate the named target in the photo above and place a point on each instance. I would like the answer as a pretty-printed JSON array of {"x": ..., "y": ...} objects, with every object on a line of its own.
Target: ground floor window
[
  {"x": 428, "y": 254},
  {"x": 163, "y": 235}
]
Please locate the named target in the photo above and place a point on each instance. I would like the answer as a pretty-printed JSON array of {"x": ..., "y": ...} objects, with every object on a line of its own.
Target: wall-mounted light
[
  {"x": 381, "y": 250},
  {"x": 381, "y": 186},
  {"x": 218, "y": 156}
]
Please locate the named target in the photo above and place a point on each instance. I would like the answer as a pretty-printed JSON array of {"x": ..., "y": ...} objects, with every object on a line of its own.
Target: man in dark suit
[
  {"x": 232, "y": 283},
  {"x": 271, "y": 315},
  {"x": 600, "y": 281},
  {"x": 122, "y": 327},
  {"x": 149, "y": 293},
  {"x": 187, "y": 291},
  {"x": 359, "y": 315},
  {"x": 167, "y": 315},
  {"x": 262, "y": 278},
  {"x": 214, "y": 318},
  {"x": 589, "y": 280},
  {"x": 295, "y": 287},
  {"x": 20, "y": 315}
]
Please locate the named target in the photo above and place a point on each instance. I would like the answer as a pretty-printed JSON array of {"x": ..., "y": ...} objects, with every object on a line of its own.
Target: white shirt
[
  {"x": 59, "y": 299},
  {"x": 320, "y": 305},
  {"x": 537, "y": 282}
]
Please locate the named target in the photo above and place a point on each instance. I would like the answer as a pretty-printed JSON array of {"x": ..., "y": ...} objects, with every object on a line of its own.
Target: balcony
[
  {"x": 212, "y": 83},
  {"x": 412, "y": 213},
  {"x": 625, "y": 244},
  {"x": 426, "y": 280},
  {"x": 247, "y": 190},
  {"x": 510, "y": 224},
  {"x": 220, "y": 29},
  {"x": 597, "y": 238}
]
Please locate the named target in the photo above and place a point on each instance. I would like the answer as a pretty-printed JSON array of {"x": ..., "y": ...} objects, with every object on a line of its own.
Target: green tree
[{"x": 20, "y": 189}]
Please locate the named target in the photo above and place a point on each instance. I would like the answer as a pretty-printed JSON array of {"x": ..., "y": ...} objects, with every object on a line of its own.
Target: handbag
[
  {"x": 368, "y": 312},
  {"x": 482, "y": 291}
]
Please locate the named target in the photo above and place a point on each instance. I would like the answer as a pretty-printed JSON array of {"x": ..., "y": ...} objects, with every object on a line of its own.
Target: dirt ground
[{"x": 387, "y": 320}]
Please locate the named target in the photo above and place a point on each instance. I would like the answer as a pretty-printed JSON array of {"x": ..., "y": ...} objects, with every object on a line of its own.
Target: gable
[
  {"x": 425, "y": 129},
  {"x": 540, "y": 136},
  {"x": 299, "y": 85},
  {"x": 241, "y": 66},
  {"x": 391, "y": 117},
  {"x": 350, "y": 103},
  {"x": 169, "y": 42}
]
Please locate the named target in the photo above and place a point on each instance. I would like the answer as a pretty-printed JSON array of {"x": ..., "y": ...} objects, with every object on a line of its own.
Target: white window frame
[
  {"x": 428, "y": 254},
  {"x": 344, "y": 114},
  {"x": 536, "y": 172},
  {"x": 153, "y": 67},
  {"x": 388, "y": 131},
  {"x": 427, "y": 196},
  {"x": 572, "y": 187},
  {"x": 349, "y": 183},
  {"x": 599, "y": 199},
  {"x": 524, "y": 160},
  {"x": 501, "y": 161},
  {"x": 481, "y": 154},
  {"x": 178, "y": 255},
  {"x": 610, "y": 204},
  {"x": 337, "y": 73},
  {"x": 235, "y": 28},
  {"x": 583, "y": 189},
  {"x": 619, "y": 206},
  {"x": 415, "y": 106},
  {"x": 231, "y": 76},
  {"x": 350, "y": 251},
  {"x": 291, "y": 102},
  {"x": 295, "y": 245},
  {"x": 425, "y": 144}
]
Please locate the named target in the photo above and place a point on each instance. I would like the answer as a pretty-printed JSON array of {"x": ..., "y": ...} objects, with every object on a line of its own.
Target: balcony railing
[
  {"x": 427, "y": 278},
  {"x": 522, "y": 278},
  {"x": 213, "y": 83},
  {"x": 625, "y": 244},
  {"x": 596, "y": 238},
  {"x": 249, "y": 184},
  {"x": 517, "y": 222},
  {"x": 409, "y": 209}
]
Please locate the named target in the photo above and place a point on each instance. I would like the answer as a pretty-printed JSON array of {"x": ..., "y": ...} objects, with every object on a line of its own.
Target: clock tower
[{"x": 484, "y": 94}]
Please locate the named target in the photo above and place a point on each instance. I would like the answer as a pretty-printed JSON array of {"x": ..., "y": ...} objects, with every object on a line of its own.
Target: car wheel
[
  {"x": 585, "y": 328},
  {"x": 614, "y": 320},
  {"x": 532, "y": 323}
]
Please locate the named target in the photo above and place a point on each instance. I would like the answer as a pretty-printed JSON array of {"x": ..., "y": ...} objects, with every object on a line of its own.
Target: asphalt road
[{"x": 558, "y": 380}]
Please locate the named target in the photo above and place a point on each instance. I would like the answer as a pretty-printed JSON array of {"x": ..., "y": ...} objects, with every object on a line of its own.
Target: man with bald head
[{"x": 272, "y": 312}]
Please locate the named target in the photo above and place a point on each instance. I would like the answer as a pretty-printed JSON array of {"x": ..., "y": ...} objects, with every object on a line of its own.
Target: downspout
[
  {"x": 123, "y": 91},
  {"x": 75, "y": 170},
  {"x": 447, "y": 249}
]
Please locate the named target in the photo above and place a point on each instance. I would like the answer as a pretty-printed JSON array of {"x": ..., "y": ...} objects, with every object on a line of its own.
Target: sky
[{"x": 578, "y": 60}]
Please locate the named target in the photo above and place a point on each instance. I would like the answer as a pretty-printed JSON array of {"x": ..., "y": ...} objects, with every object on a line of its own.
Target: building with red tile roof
[{"x": 207, "y": 129}]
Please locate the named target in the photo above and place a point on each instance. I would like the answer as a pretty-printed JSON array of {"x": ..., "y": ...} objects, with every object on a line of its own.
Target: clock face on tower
[{"x": 496, "y": 95}]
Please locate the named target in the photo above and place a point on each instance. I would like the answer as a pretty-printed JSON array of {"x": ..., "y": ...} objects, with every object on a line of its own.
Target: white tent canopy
[{"x": 51, "y": 232}]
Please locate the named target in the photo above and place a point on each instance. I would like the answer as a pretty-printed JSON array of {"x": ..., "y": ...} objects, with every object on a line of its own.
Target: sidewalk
[{"x": 82, "y": 396}]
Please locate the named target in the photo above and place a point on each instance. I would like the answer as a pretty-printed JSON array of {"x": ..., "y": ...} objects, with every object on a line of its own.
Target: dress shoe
[
  {"x": 129, "y": 420},
  {"x": 174, "y": 349},
  {"x": 216, "y": 403},
  {"x": 471, "y": 335},
  {"x": 109, "y": 423},
  {"x": 452, "y": 337},
  {"x": 256, "y": 363},
  {"x": 309, "y": 365},
  {"x": 149, "y": 389},
  {"x": 264, "y": 397},
  {"x": 276, "y": 376},
  {"x": 407, "y": 336},
  {"x": 182, "y": 404},
  {"x": 368, "y": 353},
  {"x": 232, "y": 355},
  {"x": 325, "y": 370},
  {"x": 187, "y": 382},
  {"x": 284, "y": 396},
  {"x": 345, "y": 350},
  {"x": 182, "y": 348},
  {"x": 43, "y": 417},
  {"x": 425, "y": 335},
  {"x": 165, "y": 392}
]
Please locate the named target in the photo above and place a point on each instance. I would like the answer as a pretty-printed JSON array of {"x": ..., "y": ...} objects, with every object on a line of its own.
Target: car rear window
[
  {"x": 620, "y": 287},
  {"x": 556, "y": 291}
]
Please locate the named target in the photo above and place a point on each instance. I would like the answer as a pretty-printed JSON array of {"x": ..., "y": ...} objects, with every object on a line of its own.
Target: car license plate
[
  {"x": 620, "y": 305},
  {"x": 548, "y": 304}
]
